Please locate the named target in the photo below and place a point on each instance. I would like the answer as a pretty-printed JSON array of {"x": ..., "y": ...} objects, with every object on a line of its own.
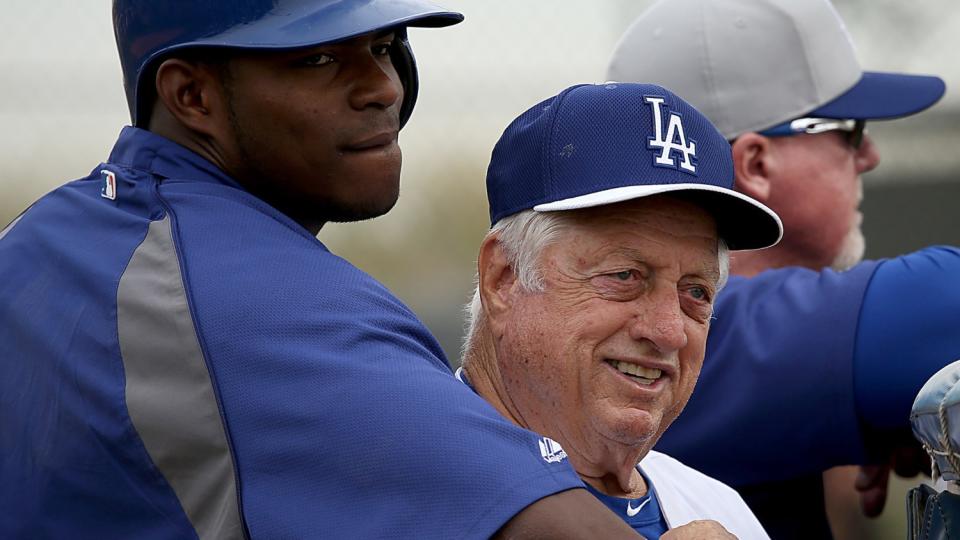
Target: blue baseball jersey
[
  {"x": 803, "y": 367},
  {"x": 180, "y": 360},
  {"x": 643, "y": 514}
]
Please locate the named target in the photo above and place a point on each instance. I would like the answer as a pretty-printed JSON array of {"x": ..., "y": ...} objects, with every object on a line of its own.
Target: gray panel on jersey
[{"x": 169, "y": 392}]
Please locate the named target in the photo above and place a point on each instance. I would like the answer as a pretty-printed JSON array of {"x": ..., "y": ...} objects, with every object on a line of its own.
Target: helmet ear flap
[
  {"x": 145, "y": 96},
  {"x": 406, "y": 66}
]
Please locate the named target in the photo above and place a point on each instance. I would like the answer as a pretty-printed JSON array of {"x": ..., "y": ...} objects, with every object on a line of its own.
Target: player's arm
[
  {"x": 570, "y": 514},
  {"x": 906, "y": 333},
  {"x": 834, "y": 359},
  {"x": 784, "y": 339},
  {"x": 576, "y": 514}
]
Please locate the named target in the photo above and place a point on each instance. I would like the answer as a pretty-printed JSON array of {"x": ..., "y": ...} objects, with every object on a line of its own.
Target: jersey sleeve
[
  {"x": 343, "y": 417},
  {"x": 775, "y": 396},
  {"x": 907, "y": 332}
]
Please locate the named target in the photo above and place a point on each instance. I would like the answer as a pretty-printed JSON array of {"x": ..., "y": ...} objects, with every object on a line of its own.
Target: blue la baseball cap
[{"x": 597, "y": 144}]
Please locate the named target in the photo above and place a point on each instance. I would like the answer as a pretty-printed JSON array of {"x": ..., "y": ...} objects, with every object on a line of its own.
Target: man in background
[{"x": 824, "y": 365}]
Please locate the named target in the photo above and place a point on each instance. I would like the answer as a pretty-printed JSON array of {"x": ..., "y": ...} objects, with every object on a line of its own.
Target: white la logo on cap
[{"x": 674, "y": 141}]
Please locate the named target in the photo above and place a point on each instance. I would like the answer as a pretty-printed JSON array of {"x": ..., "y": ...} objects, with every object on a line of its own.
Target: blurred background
[{"x": 62, "y": 105}]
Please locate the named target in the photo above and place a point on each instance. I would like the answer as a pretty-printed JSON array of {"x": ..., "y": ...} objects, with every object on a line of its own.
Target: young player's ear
[
  {"x": 496, "y": 280},
  {"x": 191, "y": 93},
  {"x": 753, "y": 165}
]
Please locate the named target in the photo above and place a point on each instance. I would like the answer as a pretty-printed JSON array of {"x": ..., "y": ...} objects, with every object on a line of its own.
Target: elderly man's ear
[
  {"x": 755, "y": 164},
  {"x": 498, "y": 283}
]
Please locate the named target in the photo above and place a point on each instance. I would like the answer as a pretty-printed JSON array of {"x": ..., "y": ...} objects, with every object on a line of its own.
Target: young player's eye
[
  {"x": 318, "y": 60},
  {"x": 383, "y": 49}
]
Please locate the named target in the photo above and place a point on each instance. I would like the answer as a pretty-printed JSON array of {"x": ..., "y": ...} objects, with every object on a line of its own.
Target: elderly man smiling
[{"x": 613, "y": 212}]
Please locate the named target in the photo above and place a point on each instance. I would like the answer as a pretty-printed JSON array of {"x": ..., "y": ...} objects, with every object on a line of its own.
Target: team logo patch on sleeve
[
  {"x": 551, "y": 450},
  {"x": 673, "y": 143},
  {"x": 109, "y": 188}
]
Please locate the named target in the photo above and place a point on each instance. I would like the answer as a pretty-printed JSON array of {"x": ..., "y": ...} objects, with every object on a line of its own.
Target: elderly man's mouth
[{"x": 636, "y": 372}]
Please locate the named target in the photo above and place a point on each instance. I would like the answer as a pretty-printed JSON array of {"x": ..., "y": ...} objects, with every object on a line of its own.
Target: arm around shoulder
[{"x": 568, "y": 515}]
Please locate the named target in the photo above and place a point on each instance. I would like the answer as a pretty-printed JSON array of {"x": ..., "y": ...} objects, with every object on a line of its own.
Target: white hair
[{"x": 523, "y": 237}]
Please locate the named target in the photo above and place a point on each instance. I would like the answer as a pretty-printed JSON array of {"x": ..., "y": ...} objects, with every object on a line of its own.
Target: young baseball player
[{"x": 182, "y": 358}]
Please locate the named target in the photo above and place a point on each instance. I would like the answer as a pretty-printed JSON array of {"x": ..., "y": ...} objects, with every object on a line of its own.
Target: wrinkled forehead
[
  {"x": 670, "y": 229},
  {"x": 658, "y": 215}
]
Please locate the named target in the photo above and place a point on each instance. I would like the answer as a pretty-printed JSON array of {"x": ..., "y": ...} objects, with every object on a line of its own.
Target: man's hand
[
  {"x": 907, "y": 460},
  {"x": 871, "y": 483},
  {"x": 699, "y": 530}
]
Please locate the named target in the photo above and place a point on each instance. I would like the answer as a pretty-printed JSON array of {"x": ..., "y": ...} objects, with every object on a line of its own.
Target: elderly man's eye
[
  {"x": 624, "y": 275},
  {"x": 700, "y": 293}
]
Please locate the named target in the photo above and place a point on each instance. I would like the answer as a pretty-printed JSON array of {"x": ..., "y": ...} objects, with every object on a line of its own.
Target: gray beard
[{"x": 851, "y": 250}]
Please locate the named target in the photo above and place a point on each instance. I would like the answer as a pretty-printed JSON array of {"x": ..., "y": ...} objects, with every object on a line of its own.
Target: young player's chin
[
  {"x": 360, "y": 212},
  {"x": 367, "y": 202}
]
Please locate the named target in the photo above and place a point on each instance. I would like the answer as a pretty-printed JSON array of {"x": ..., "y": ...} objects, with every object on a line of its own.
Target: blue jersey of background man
[{"x": 822, "y": 366}]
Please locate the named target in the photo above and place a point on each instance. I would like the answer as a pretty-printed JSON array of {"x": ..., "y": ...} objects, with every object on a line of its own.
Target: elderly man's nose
[{"x": 661, "y": 324}]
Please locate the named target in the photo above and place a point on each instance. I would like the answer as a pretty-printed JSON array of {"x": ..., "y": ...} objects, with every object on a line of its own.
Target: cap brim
[
  {"x": 742, "y": 222},
  {"x": 312, "y": 26},
  {"x": 884, "y": 95},
  {"x": 437, "y": 20}
]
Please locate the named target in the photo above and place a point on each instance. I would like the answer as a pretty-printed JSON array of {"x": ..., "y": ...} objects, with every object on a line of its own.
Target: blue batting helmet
[{"x": 149, "y": 31}]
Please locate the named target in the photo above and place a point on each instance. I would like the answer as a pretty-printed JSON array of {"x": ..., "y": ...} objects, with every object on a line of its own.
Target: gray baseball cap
[{"x": 749, "y": 65}]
